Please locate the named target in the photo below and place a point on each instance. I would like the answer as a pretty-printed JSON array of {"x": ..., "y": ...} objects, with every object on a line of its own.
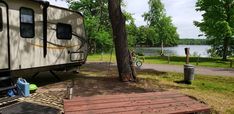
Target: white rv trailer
[{"x": 36, "y": 36}]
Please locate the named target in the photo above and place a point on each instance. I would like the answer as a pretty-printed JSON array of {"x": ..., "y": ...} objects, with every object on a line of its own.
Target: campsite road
[
  {"x": 180, "y": 69},
  {"x": 198, "y": 70}
]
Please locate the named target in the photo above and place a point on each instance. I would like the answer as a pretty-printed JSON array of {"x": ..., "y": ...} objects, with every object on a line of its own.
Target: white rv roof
[{"x": 47, "y": 2}]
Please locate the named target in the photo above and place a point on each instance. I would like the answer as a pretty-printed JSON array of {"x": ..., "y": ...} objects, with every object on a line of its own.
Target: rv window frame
[
  {"x": 63, "y": 24},
  {"x": 1, "y": 20},
  {"x": 33, "y": 22}
]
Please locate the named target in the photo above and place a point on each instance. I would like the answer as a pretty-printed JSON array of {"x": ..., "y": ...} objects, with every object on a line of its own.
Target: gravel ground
[{"x": 198, "y": 70}]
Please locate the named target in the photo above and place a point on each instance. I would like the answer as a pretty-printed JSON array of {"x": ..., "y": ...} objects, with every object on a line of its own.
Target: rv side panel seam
[{"x": 8, "y": 34}]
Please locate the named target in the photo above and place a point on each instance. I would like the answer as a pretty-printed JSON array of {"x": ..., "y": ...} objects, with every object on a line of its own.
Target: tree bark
[
  {"x": 225, "y": 48},
  {"x": 226, "y": 39},
  {"x": 162, "y": 50},
  {"x": 120, "y": 40}
]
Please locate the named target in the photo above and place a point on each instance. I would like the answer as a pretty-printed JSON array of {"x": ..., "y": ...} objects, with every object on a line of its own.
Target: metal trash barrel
[
  {"x": 188, "y": 73},
  {"x": 70, "y": 92}
]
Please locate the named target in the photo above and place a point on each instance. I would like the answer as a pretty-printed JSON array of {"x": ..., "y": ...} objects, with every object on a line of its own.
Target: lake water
[{"x": 195, "y": 50}]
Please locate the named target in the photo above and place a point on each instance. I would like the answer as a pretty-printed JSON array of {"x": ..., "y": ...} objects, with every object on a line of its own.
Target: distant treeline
[{"x": 193, "y": 42}]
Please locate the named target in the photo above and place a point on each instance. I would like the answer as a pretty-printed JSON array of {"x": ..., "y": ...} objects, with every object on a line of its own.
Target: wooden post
[
  {"x": 197, "y": 60},
  {"x": 102, "y": 56},
  {"x": 162, "y": 51},
  {"x": 187, "y": 55},
  {"x": 168, "y": 59},
  {"x": 231, "y": 62},
  {"x": 70, "y": 89}
]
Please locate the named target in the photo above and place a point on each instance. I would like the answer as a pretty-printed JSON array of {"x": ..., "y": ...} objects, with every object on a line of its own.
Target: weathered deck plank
[{"x": 146, "y": 103}]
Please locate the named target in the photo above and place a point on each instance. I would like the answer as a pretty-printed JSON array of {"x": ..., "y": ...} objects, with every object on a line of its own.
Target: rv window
[
  {"x": 27, "y": 29},
  {"x": 64, "y": 31},
  {"x": 1, "y": 22}
]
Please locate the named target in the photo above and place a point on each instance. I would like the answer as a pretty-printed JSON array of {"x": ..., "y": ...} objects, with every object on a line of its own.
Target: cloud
[
  {"x": 182, "y": 12},
  {"x": 60, "y": 3},
  {"x": 137, "y": 8}
]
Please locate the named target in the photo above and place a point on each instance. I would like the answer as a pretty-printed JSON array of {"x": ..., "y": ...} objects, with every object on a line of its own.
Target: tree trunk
[
  {"x": 162, "y": 50},
  {"x": 226, "y": 39},
  {"x": 120, "y": 40},
  {"x": 225, "y": 48}
]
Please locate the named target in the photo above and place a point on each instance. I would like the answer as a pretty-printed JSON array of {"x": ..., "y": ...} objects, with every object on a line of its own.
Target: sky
[{"x": 182, "y": 12}]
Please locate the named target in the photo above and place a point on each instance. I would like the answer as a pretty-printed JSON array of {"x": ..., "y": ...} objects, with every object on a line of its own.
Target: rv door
[{"x": 3, "y": 38}]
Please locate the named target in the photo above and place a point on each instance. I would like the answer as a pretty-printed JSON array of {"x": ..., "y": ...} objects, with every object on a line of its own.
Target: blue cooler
[{"x": 23, "y": 87}]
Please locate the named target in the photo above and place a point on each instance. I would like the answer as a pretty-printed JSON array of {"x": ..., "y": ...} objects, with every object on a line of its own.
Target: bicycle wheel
[{"x": 138, "y": 63}]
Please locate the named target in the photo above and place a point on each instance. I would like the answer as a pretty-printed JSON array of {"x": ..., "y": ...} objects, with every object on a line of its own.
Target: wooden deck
[{"x": 143, "y": 103}]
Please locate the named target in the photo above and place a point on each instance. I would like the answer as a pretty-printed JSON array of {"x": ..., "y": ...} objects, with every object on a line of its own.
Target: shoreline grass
[{"x": 174, "y": 60}]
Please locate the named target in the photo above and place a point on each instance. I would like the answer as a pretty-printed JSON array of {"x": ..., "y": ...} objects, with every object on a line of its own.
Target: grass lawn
[
  {"x": 101, "y": 58},
  {"x": 100, "y": 79},
  {"x": 206, "y": 62},
  {"x": 216, "y": 91}
]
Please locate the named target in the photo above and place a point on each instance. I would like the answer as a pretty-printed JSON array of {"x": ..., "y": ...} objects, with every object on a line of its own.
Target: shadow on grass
[
  {"x": 183, "y": 82},
  {"x": 86, "y": 85},
  {"x": 151, "y": 72},
  {"x": 93, "y": 80}
]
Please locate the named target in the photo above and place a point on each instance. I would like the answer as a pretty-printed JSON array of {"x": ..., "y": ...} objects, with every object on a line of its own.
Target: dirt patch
[{"x": 94, "y": 79}]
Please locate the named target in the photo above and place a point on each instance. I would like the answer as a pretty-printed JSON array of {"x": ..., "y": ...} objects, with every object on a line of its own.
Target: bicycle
[{"x": 138, "y": 61}]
